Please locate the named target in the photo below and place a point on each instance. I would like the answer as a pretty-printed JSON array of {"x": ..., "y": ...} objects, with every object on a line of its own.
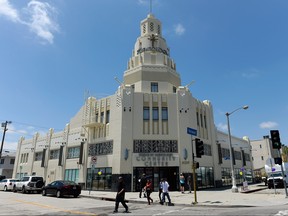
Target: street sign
[
  {"x": 191, "y": 131},
  {"x": 94, "y": 160}
]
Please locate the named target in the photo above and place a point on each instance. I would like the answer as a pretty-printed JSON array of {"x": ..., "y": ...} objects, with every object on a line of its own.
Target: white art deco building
[{"x": 142, "y": 128}]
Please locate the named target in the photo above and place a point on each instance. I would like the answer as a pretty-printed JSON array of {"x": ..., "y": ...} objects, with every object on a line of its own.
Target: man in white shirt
[{"x": 165, "y": 192}]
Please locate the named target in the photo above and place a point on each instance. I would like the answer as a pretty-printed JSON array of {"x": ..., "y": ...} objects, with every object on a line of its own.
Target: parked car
[
  {"x": 7, "y": 184},
  {"x": 62, "y": 188},
  {"x": 29, "y": 184}
]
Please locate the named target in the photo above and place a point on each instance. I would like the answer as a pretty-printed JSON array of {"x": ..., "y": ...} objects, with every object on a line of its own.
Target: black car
[{"x": 62, "y": 188}]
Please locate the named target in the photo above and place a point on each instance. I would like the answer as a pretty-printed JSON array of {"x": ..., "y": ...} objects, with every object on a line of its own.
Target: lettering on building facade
[{"x": 160, "y": 160}]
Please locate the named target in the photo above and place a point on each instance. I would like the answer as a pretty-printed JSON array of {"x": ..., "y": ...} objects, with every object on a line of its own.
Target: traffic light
[
  {"x": 275, "y": 138},
  {"x": 278, "y": 160},
  {"x": 199, "y": 148}
]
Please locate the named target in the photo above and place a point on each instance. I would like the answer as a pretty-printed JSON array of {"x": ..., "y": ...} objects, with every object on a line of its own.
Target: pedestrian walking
[
  {"x": 182, "y": 182},
  {"x": 160, "y": 190},
  {"x": 142, "y": 182},
  {"x": 165, "y": 192},
  {"x": 120, "y": 197},
  {"x": 148, "y": 189}
]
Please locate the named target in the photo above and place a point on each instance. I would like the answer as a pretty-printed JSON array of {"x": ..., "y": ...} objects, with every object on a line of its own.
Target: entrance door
[
  {"x": 155, "y": 174},
  {"x": 171, "y": 174}
]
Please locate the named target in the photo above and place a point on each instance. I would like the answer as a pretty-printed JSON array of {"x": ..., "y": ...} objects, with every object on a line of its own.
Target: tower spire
[{"x": 150, "y": 7}]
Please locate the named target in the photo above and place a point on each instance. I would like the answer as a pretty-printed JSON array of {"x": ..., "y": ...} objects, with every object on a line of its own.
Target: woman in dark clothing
[
  {"x": 148, "y": 189},
  {"x": 120, "y": 197},
  {"x": 143, "y": 182}
]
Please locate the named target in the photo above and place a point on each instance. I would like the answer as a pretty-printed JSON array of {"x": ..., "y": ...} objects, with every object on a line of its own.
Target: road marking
[
  {"x": 168, "y": 212},
  {"x": 55, "y": 208}
]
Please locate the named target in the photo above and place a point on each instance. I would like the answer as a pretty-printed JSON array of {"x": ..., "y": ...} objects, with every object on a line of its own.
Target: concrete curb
[{"x": 176, "y": 204}]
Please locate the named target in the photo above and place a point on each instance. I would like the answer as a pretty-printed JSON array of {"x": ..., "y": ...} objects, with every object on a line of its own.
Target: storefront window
[{"x": 99, "y": 178}]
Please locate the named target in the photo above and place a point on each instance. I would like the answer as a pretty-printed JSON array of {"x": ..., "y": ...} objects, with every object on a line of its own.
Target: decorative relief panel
[{"x": 155, "y": 146}]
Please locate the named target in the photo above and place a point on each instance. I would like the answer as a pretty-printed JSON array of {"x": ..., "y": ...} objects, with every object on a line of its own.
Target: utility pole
[
  {"x": 5, "y": 129},
  {"x": 194, "y": 174}
]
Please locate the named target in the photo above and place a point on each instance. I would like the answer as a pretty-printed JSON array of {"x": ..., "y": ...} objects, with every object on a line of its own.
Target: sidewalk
[{"x": 256, "y": 195}]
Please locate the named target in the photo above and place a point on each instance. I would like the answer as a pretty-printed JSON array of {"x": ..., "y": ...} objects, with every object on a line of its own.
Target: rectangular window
[
  {"x": 102, "y": 117},
  {"x": 73, "y": 152},
  {"x": 12, "y": 160},
  {"x": 146, "y": 113},
  {"x": 54, "y": 154},
  {"x": 103, "y": 148},
  {"x": 219, "y": 153},
  {"x": 2, "y": 161},
  {"x": 201, "y": 119},
  {"x": 38, "y": 156},
  {"x": 207, "y": 150},
  {"x": 174, "y": 89},
  {"x": 197, "y": 115},
  {"x": 154, "y": 87},
  {"x": 164, "y": 113},
  {"x": 96, "y": 117},
  {"x": 155, "y": 113},
  {"x": 205, "y": 122},
  {"x": 72, "y": 175},
  {"x": 107, "y": 116}
]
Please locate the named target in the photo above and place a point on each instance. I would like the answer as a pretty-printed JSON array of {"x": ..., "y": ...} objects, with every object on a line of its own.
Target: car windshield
[
  {"x": 275, "y": 175},
  {"x": 35, "y": 179}
]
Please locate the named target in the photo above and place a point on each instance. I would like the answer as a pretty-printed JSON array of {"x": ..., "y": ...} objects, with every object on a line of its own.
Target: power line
[{"x": 36, "y": 126}]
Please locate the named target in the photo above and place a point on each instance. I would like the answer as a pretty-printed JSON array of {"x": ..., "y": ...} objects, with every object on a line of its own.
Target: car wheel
[
  {"x": 14, "y": 189},
  {"x": 5, "y": 188},
  {"x": 58, "y": 194},
  {"x": 44, "y": 193},
  {"x": 76, "y": 195},
  {"x": 23, "y": 190}
]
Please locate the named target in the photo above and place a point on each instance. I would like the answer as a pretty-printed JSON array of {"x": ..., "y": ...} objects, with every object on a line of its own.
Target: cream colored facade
[
  {"x": 141, "y": 128},
  {"x": 261, "y": 150}
]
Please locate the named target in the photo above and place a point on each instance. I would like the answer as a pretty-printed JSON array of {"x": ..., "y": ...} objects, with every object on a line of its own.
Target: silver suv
[{"x": 29, "y": 183}]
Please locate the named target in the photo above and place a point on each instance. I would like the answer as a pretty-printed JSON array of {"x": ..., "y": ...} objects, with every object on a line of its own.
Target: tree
[{"x": 284, "y": 153}]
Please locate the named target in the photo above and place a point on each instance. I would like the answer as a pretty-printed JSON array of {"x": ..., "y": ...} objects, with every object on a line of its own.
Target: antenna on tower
[
  {"x": 150, "y": 6},
  {"x": 190, "y": 83}
]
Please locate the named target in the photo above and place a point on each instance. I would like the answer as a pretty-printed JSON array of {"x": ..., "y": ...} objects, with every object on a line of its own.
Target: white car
[{"x": 7, "y": 184}]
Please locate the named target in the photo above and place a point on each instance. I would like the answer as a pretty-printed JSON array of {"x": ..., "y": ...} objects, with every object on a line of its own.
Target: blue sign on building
[{"x": 192, "y": 131}]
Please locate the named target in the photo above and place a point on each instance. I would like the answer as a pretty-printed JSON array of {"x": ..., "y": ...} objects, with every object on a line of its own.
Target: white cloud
[
  {"x": 268, "y": 124},
  {"x": 142, "y": 2},
  {"x": 38, "y": 17},
  {"x": 222, "y": 127},
  {"x": 251, "y": 73},
  {"x": 41, "y": 22},
  {"x": 179, "y": 29},
  {"x": 7, "y": 10}
]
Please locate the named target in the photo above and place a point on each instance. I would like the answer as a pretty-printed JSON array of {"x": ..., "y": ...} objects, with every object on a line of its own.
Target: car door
[
  {"x": 53, "y": 187},
  {"x": 49, "y": 188}
]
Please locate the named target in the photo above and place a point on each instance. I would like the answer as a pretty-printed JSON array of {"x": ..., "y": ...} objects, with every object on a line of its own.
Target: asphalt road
[{"x": 36, "y": 204}]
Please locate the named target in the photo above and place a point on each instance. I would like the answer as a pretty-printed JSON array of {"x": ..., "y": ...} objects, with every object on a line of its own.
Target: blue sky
[{"x": 53, "y": 53}]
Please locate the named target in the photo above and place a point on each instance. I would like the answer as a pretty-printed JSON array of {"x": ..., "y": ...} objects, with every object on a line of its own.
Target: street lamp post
[
  {"x": 234, "y": 187},
  {"x": 5, "y": 129}
]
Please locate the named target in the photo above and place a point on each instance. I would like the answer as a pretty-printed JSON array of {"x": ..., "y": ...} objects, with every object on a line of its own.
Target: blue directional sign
[{"x": 191, "y": 131}]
